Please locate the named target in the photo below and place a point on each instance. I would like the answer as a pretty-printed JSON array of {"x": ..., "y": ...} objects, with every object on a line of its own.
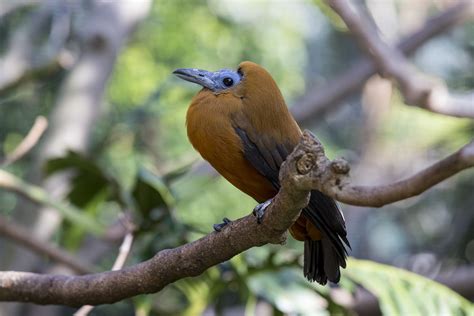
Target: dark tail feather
[
  {"x": 332, "y": 261},
  {"x": 324, "y": 258},
  {"x": 321, "y": 261}
]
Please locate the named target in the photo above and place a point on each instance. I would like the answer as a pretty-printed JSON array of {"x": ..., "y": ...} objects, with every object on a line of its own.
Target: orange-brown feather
[{"x": 211, "y": 132}]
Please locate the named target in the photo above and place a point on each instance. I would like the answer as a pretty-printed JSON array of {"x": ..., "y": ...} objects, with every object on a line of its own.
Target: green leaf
[
  {"x": 199, "y": 292},
  {"x": 288, "y": 296},
  {"x": 401, "y": 292},
  {"x": 151, "y": 192},
  {"x": 88, "y": 180}
]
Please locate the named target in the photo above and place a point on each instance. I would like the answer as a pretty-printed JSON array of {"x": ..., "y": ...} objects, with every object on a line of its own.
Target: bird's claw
[
  {"x": 219, "y": 227},
  {"x": 259, "y": 210}
]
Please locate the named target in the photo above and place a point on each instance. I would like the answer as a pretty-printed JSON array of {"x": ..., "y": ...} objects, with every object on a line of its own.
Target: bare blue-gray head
[{"x": 215, "y": 81}]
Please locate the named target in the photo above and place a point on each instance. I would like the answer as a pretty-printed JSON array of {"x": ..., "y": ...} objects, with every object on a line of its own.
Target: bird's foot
[
  {"x": 219, "y": 227},
  {"x": 259, "y": 210}
]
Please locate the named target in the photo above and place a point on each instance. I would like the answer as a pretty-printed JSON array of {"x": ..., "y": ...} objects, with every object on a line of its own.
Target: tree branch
[
  {"x": 23, "y": 59},
  {"x": 321, "y": 99},
  {"x": 305, "y": 169},
  {"x": 417, "y": 90},
  {"x": 331, "y": 178},
  {"x": 22, "y": 237},
  {"x": 30, "y": 140}
]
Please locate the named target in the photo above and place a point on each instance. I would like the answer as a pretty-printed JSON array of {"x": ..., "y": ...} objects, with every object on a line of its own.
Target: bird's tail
[
  {"x": 321, "y": 261},
  {"x": 323, "y": 258}
]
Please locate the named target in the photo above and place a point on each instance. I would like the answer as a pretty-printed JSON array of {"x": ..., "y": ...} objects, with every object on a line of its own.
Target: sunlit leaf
[
  {"x": 401, "y": 292},
  {"x": 288, "y": 296}
]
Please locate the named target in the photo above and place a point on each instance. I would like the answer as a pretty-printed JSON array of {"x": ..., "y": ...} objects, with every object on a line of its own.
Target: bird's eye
[{"x": 228, "y": 81}]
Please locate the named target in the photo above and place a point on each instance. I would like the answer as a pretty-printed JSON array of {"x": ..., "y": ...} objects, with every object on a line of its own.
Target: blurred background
[{"x": 115, "y": 149}]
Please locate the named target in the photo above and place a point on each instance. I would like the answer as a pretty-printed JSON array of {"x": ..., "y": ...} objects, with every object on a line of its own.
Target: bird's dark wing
[{"x": 266, "y": 155}]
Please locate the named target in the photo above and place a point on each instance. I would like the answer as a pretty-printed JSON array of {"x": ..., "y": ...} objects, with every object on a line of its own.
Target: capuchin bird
[{"x": 240, "y": 124}]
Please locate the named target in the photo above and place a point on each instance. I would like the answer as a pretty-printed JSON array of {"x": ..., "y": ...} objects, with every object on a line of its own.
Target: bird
[{"x": 239, "y": 122}]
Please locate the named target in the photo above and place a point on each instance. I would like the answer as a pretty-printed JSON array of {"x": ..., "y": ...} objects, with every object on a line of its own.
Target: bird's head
[
  {"x": 249, "y": 88},
  {"x": 249, "y": 78},
  {"x": 216, "y": 81}
]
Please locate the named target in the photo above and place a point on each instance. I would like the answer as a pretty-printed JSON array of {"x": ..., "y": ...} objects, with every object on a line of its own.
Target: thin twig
[
  {"x": 122, "y": 256},
  {"x": 416, "y": 89},
  {"x": 30, "y": 140},
  {"x": 21, "y": 236}
]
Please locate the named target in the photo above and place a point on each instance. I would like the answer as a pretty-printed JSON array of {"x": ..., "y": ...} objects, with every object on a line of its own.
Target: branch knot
[
  {"x": 306, "y": 163},
  {"x": 340, "y": 166}
]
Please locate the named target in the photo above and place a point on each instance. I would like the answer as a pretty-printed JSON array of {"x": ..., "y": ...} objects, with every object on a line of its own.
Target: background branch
[
  {"x": 30, "y": 140},
  {"x": 23, "y": 59},
  {"x": 416, "y": 89},
  {"x": 321, "y": 99},
  {"x": 124, "y": 251},
  {"x": 22, "y": 236}
]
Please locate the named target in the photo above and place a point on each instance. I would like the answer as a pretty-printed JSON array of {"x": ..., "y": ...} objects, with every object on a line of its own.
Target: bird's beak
[{"x": 199, "y": 76}]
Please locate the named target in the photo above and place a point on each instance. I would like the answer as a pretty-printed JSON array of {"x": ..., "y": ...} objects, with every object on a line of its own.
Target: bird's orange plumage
[{"x": 211, "y": 120}]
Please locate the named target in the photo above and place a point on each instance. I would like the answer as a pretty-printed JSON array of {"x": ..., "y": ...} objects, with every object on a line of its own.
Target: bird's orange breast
[{"x": 210, "y": 130}]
